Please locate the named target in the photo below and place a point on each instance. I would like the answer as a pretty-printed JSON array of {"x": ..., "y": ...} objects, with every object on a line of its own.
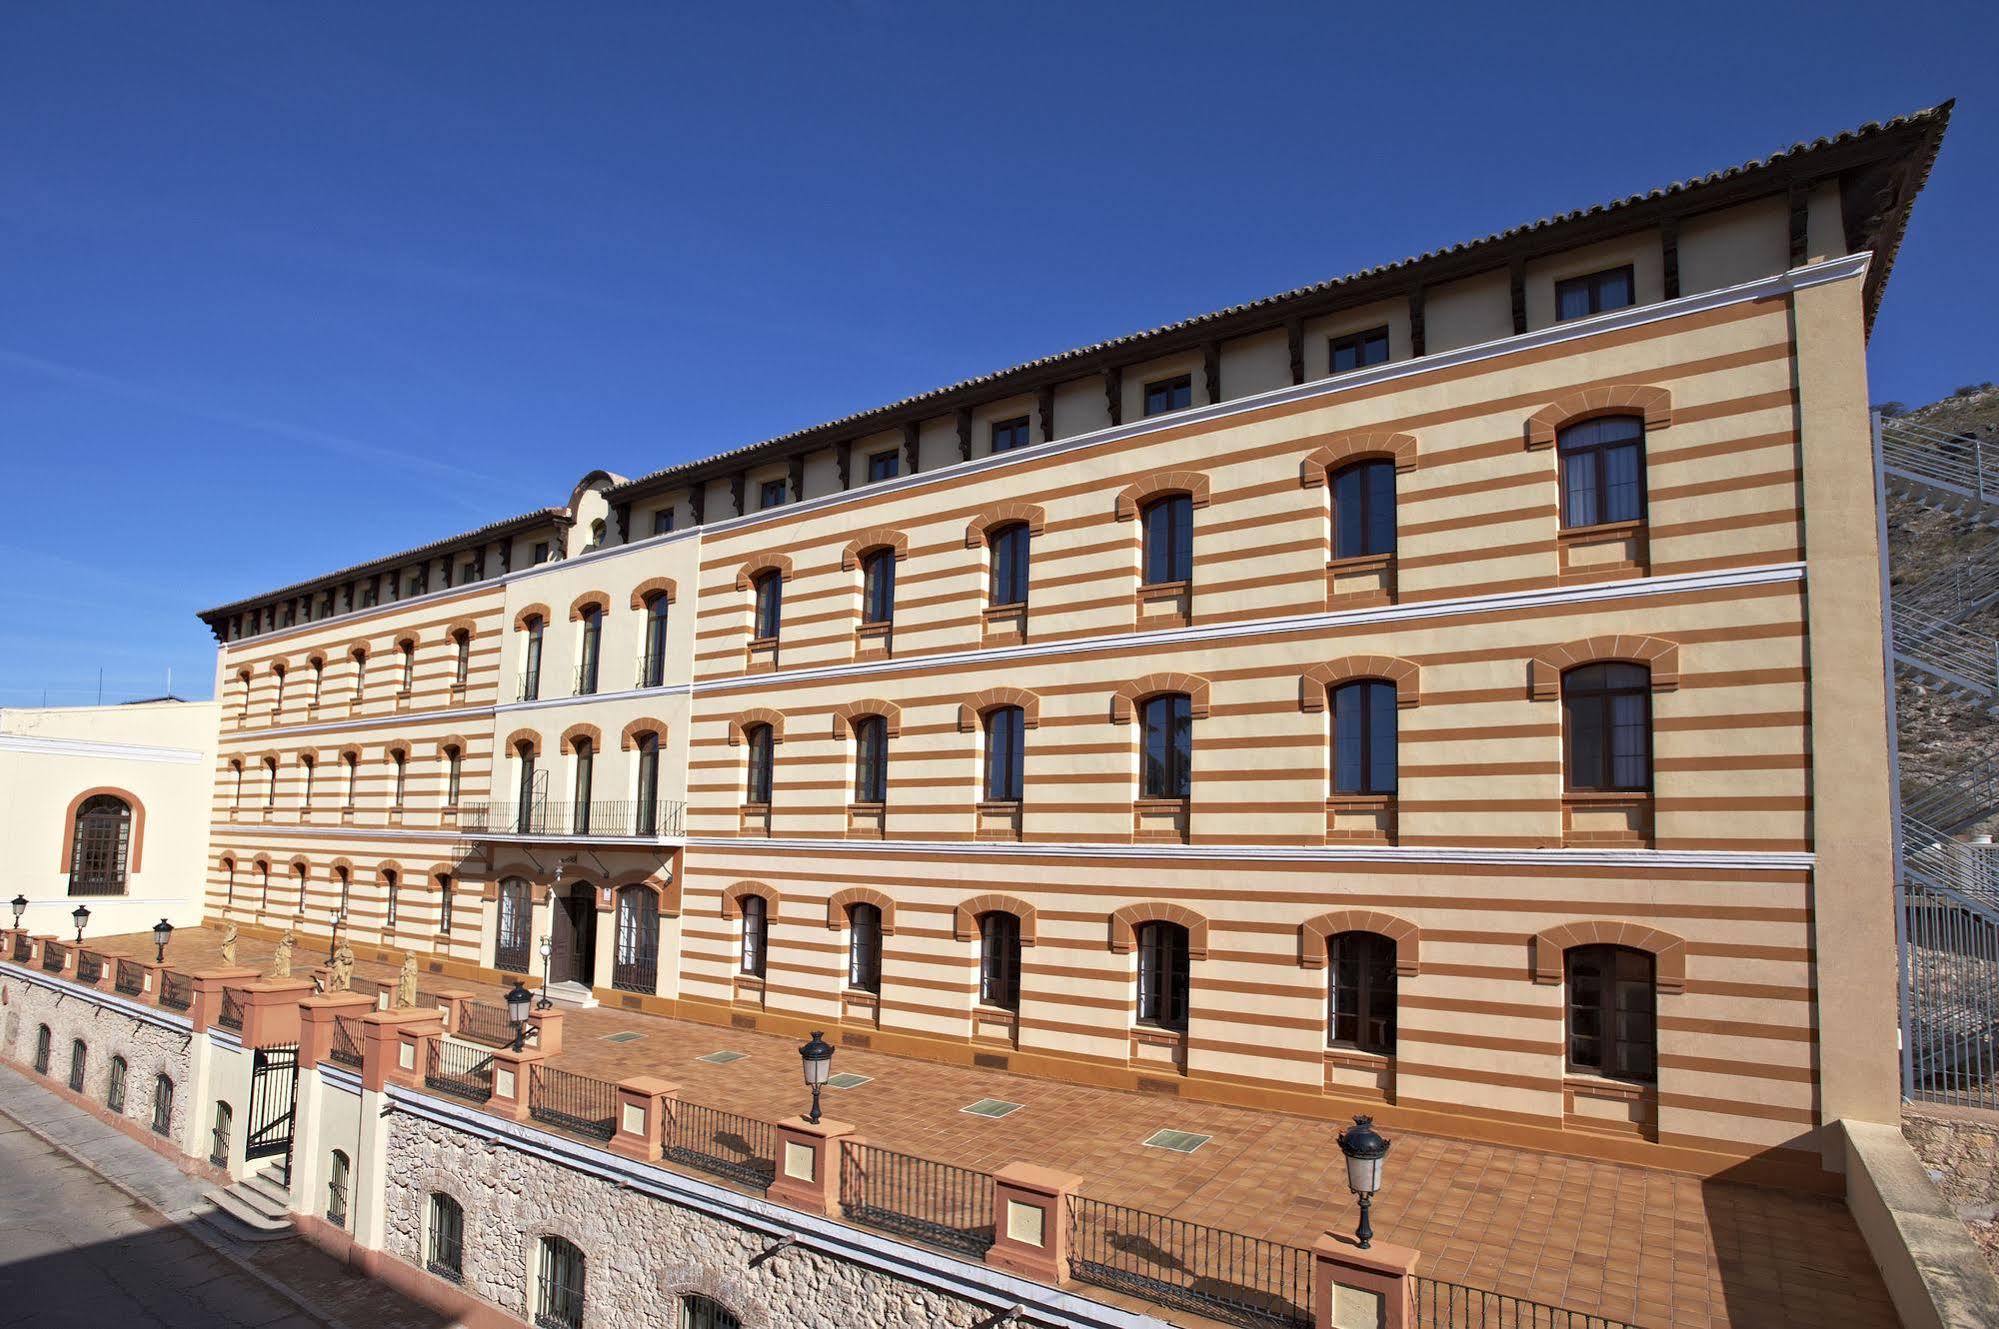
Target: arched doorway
[{"x": 573, "y": 953}]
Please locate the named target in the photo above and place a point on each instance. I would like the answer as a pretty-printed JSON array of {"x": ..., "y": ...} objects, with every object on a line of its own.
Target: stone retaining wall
[
  {"x": 148, "y": 1049},
  {"x": 1961, "y": 1150}
]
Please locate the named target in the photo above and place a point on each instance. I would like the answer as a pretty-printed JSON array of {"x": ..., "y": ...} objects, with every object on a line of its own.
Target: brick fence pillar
[
  {"x": 808, "y": 1163},
  {"x": 319, "y": 1017},
  {"x": 1363, "y": 1289},
  {"x": 451, "y": 1004},
  {"x": 206, "y": 1008},
  {"x": 548, "y": 1030},
  {"x": 513, "y": 1081},
  {"x": 271, "y": 1010},
  {"x": 395, "y": 1049},
  {"x": 1031, "y": 1222},
  {"x": 643, "y": 1104}
]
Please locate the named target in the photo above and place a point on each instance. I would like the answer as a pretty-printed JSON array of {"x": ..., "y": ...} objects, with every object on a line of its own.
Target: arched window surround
[
  {"x": 136, "y": 837},
  {"x": 1314, "y": 933},
  {"x": 1659, "y": 654},
  {"x": 1668, "y": 952},
  {"x": 1653, "y": 405},
  {"x": 1125, "y": 922}
]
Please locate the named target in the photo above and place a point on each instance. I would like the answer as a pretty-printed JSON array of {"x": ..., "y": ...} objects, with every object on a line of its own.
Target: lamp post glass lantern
[
  {"x": 1365, "y": 1150},
  {"x": 81, "y": 917},
  {"x": 547, "y": 949},
  {"x": 20, "y": 903},
  {"x": 817, "y": 1057},
  {"x": 163, "y": 933},
  {"x": 520, "y": 1003}
]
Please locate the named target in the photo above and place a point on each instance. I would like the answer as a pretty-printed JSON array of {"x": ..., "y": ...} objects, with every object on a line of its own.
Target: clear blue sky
[{"x": 287, "y": 286}]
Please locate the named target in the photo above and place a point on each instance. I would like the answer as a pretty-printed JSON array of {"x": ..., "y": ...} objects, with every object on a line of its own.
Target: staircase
[
  {"x": 257, "y": 1208},
  {"x": 1964, "y": 798},
  {"x": 1953, "y": 473}
]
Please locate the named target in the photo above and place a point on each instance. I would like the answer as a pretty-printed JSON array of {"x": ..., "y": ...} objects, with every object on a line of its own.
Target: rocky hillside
[{"x": 1939, "y": 732}]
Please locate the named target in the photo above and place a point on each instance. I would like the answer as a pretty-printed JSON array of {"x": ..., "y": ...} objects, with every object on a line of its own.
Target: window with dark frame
[
  {"x": 1364, "y": 737},
  {"x": 1010, "y": 434},
  {"x": 336, "y": 1189},
  {"x": 43, "y": 1040},
  {"x": 586, "y": 766},
  {"x": 1364, "y": 508},
  {"x": 593, "y": 640},
  {"x": 1357, "y": 350},
  {"x": 1603, "y": 471},
  {"x": 1361, "y": 992},
  {"x": 1006, "y": 750},
  {"x": 648, "y": 784},
  {"x": 559, "y": 1296},
  {"x": 878, "y": 586},
  {"x": 443, "y": 904},
  {"x": 884, "y": 465},
  {"x": 163, "y": 1105},
  {"x": 864, "y": 948},
  {"x": 79, "y": 1057},
  {"x": 756, "y": 934},
  {"x": 101, "y": 846},
  {"x": 999, "y": 960},
  {"x": 1612, "y": 1012},
  {"x": 1166, "y": 746},
  {"x": 1007, "y": 548},
  {"x": 662, "y": 522},
  {"x": 1594, "y": 293},
  {"x": 464, "y": 663},
  {"x": 525, "y": 809},
  {"x": 114, "y": 1086},
  {"x": 444, "y": 1250},
  {"x": 390, "y": 892},
  {"x": 759, "y": 741},
  {"x": 408, "y": 649},
  {"x": 1607, "y": 727},
  {"x": 769, "y": 604},
  {"x": 531, "y": 661},
  {"x": 454, "y": 762},
  {"x": 511, "y": 944},
  {"x": 870, "y": 759},
  {"x": 1162, "y": 975},
  {"x": 540, "y": 554},
  {"x": 770, "y": 494},
  {"x": 652, "y": 669},
  {"x": 699, "y": 1312},
  {"x": 1169, "y": 394},
  {"x": 1167, "y": 524},
  {"x": 401, "y": 763}
]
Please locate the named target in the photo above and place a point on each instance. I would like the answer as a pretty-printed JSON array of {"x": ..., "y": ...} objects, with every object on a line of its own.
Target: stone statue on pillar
[
  {"x": 406, "y": 985},
  {"x": 229, "y": 943},
  {"x": 341, "y": 978},
  {"x": 281, "y": 959}
]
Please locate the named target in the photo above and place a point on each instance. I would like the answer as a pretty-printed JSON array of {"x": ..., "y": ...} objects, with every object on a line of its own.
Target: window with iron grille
[
  {"x": 43, "y": 1039},
  {"x": 999, "y": 960},
  {"x": 1168, "y": 528},
  {"x": 586, "y": 768},
  {"x": 444, "y": 1251},
  {"x": 78, "y": 1056},
  {"x": 699, "y": 1312},
  {"x": 510, "y": 947},
  {"x": 1162, "y": 975},
  {"x": 559, "y": 1291},
  {"x": 163, "y": 1105},
  {"x": 1362, "y": 992},
  {"x": 100, "y": 846},
  {"x": 114, "y": 1086},
  {"x": 647, "y": 822},
  {"x": 218, "y": 1143},
  {"x": 636, "y": 959},
  {"x": 1607, "y": 727},
  {"x": 864, "y": 947},
  {"x": 1612, "y": 1010},
  {"x": 336, "y": 1190}
]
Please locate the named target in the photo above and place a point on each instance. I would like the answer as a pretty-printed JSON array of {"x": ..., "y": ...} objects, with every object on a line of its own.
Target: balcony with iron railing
[{"x": 632, "y": 819}]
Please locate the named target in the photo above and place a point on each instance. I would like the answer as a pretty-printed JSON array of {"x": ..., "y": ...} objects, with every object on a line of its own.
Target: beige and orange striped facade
[{"x": 1750, "y": 589}]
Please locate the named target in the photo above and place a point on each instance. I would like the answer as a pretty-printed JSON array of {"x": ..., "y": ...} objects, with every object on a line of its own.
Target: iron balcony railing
[
  {"x": 651, "y": 672},
  {"x": 176, "y": 991},
  {"x": 528, "y": 686},
  {"x": 636, "y": 973},
  {"x": 461, "y": 1071},
  {"x": 741, "y": 1149},
  {"x": 649, "y": 819},
  {"x": 1224, "y": 1276},
  {"x": 96, "y": 883},
  {"x": 939, "y": 1203},
  {"x": 578, "y": 1103},
  {"x": 131, "y": 980},
  {"x": 1441, "y": 1305},
  {"x": 586, "y": 680},
  {"x": 1939, "y": 468},
  {"x": 231, "y": 1016}
]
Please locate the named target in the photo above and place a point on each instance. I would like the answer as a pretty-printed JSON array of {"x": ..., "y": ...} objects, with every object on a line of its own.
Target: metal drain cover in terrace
[
  {"x": 623, "y": 1036},
  {"x": 848, "y": 1080},
  {"x": 991, "y": 1107},
  {"x": 1180, "y": 1142},
  {"x": 722, "y": 1058}
]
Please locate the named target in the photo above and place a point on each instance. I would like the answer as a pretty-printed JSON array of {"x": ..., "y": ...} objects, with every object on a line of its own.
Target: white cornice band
[{"x": 84, "y": 747}]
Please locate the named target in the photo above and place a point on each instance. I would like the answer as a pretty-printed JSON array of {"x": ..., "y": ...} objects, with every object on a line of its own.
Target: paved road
[{"x": 74, "y": 1250}]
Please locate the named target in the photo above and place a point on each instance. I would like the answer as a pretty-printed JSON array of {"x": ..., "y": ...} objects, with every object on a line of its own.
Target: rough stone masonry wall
[
  {"x": 640, "y": 1253},
  {"x": 148, "y": 1049},
  {"x": 1961, "y": 1151}
]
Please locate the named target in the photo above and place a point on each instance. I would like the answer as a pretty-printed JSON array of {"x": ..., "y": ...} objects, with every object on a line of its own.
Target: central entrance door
[{"x": 573, "y": 953}]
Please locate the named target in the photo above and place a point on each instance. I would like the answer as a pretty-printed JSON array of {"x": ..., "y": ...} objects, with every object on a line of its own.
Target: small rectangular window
[
  {"x": 1010, "y": 434},
  {"x": 662, "y": 521},
  {"x": 540, "y": 552},
  {"x": 1597, "y": 293},
  {"x": 1357, "y": 350},
  {"x": 884, "y": 466},
  {"x": 771, "y": 495},
  {"x": 1169, "y": 394}
]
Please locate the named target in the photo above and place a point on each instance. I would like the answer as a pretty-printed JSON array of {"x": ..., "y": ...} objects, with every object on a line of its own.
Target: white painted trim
[
  {"x": 340, "y": 1078},
  {"x": 83, "y": 747},
  {"x": 978, "y": 1283},
  {"x": 625, "y": 694},
  {"x": 1845, "y": 268},
  {"x": 252, "y": 736},
  {"x": 110, "y": 1001}
]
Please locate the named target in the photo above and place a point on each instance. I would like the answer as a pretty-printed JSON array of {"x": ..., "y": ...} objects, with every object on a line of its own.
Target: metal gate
[{"x": 273, "y": 1086}]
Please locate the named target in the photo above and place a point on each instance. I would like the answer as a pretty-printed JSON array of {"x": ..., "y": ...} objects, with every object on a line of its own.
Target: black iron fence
[
  {"x": 1225, "y": 1276},
  {"x": 939, "y": 1203},
  {"x": 1950, "y": 997},
  {"x": 458, "y": 1070},
  {"x": 573, "y": 1102},
  {"x": 232, "y": 1010},
  {"x": 345, "y": 1047},
  {"x": 742, "y": 1149},
  {"x": 131, "y": 980},
  {"x": 1441, "y": 1305},
  {"x": 630, "y": 818},
  {"x": 483, "y": 1022},
  {"x": 54, "y": 956},
  {"x": 89, "y": 967},
  {"x": 23, "y": 948},
  {"x": 176, "y": 991}
]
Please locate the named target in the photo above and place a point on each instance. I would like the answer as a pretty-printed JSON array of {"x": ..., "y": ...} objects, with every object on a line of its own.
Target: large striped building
[{"x": 1410, "y": 689}]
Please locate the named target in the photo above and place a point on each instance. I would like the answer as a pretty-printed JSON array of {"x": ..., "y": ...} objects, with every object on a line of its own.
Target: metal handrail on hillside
[
  {"x": 1958, "y": 656},
  {"x": 1966, "y": 795},
  {"x": 1954, "y": 465},
  {"x": 1962, "y": 587}
]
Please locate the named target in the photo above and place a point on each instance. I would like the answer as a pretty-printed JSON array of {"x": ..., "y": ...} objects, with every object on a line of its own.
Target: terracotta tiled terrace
[{"x": 1654, "y": 1249}]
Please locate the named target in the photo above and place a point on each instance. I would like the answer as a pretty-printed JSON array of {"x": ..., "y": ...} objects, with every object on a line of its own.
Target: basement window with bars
[{"x": 559, "y": 1290}]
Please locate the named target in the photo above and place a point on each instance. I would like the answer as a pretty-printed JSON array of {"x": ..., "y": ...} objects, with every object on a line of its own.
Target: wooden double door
[{"x": 573, "y": 945}]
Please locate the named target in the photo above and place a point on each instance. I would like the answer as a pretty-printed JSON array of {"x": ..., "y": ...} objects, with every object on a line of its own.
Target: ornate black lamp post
[
  {"x": 163, "y": 933},
  {"x": 20, "y": 903},
  {"x": 817, "y": 1057},
  {"x": 547, "y": 949},
  {"x": 1365, "y": 1150},
  {"x": 519, "y": 1003},
  {"x": 80, "y": 916}
]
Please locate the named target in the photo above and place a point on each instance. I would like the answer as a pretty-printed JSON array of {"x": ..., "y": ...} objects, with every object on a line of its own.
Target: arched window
[
  {"x": 769, "y": 586},
  {"x": 516, "y": 921},
  {"x": 652, "y": 666},
  {"x": 593, "y": 640},
  {"x": 236, "y": 793},
  {"x": 243, "y": 677},
  {"x": 218, "y": 1135},
  {"x": 462, "y": 670},
  {"x": 408, "y": 651},
  {"x": 277, "y": 689},
  {"x": 307, "y": 764},
  {"x": 443, "y": 904},
  {"x": 400, "y": 760},
  {"x": 444, "y": 1243},
  {"x": 100, "y": 846},
  {"x": 163, "y": 1105},
  {"x": 1166, "y": 757},
  {"x": 454, "y": 764},
  {"x": 389, "y": 891},
  {"x": 318, "y": 679},
  {"x": 43, "y": 1040},
  {"x": 559, "y": 1288},
  {"x": 1603, "y": 470},
  {"x": 1612, "y": 1009},
  {"x": 648, "y": 784},
  {"x": 756, "y": 934},
  {"x": 1168, "y": 525},
  {"x": 264, "y": 886},
  {"x": 360, "y": 658},
  {"x": 527, "y": 806},
  {"x": 1607, "y": 727},
  {"x": 342, "y": 878},
  {"x": 878, "y": 586},
  {"x": 1007, "y": 548},
  {"x": 1006, "y": 749},
  {"x": 999, "y": 960},
  {"x": 586, "y": 766},
  {"x": 1364, "y": 508},
  {"x": 1162, "y": 975},
  {"x": 351, "y": 777},
  {"x": 270, "y": 782},
  {"x": 229, "y": 883},
  {"x": 699, "y": 1312},
  {"x": 635, "y": 966},
  {"x": 870, "y": 759},
  {"x": 298, "y": 885},
  {"x": 1361, "y": 1010},
  {"x": 114, "y": 1086},
  {"x": 79, "y": 1056},
  {"x": 1364, "y": 742},
  {"x": 758, "y": 739},
  {"x": 336, "y": 1189},
  {"x": 530, "y": 688},
  {"x": 864, "y": 947}
]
